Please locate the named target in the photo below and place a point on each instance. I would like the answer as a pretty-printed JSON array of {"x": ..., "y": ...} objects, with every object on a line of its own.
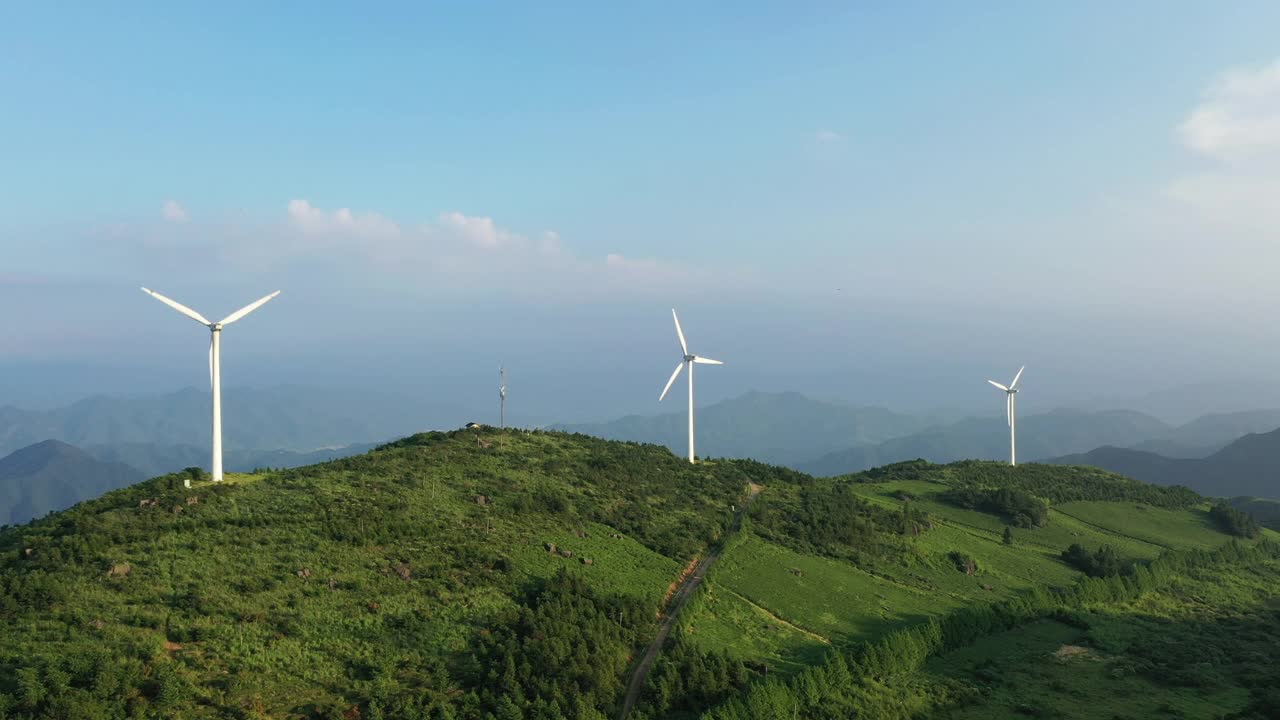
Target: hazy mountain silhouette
[
  {"x": 52, "y": 475},
  {"x": 154, "y": 459},
  {"x": 287, "y": 417},
  {"x": 785, "y": 428},
  {"x": 1249, "y": 466},
  {"x": 1039, "y": 436}
]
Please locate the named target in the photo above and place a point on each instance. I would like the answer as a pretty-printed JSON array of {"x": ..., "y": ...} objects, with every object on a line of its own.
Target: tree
[{"x": 1008, "y": 535}]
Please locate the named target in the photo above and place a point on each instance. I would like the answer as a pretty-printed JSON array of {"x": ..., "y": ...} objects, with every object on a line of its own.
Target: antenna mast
[{"x": 502, "y": 395}]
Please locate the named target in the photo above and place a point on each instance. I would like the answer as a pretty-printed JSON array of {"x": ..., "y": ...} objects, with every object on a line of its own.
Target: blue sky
[{"x": 859, "y": 192}]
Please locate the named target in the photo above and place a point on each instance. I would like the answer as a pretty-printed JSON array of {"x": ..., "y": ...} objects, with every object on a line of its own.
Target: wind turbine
[
  {"x": 215, "y": 363},
  {"x": 690, "y": 360},
  {"x": 502, "y": 395},
  {"x": 1010, "y": 410}
]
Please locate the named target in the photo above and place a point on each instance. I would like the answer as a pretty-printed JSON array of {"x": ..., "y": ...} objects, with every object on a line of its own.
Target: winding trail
[{"x": 681, "y": 598}]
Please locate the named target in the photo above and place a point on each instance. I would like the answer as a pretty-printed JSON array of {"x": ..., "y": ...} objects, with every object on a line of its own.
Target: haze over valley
[{"x": 591, "y": 361}]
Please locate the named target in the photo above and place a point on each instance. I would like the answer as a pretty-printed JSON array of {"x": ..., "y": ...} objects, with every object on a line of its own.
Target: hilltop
[{"x": 517, "y": 574}]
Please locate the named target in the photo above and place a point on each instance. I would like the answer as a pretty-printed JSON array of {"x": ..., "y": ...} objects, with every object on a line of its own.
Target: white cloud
[
  {"x": 480, "y": 231},
  {"x": 1239, "y": 116},
  {"x": 1237, "y": 125},
  {"x": 173, "y": 211},
  {"x": 311, "y": 219},
  {"x": 828, "y": 137},
  {"x": 449, "y": 252}
]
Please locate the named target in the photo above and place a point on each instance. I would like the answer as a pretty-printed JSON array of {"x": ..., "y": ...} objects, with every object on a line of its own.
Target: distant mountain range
[
  {"x": 1249, "y": 466},
  {"x": 824, "y": 438},
  {"x": 1039, "y": 436},
  {"x": 782, "y": 428},
  {"x": 53, "y": 475},
  {"x": 1265, "y": 510},
  {"x": 288, "y": 417},
  {"x": 123, "y": 439},
  {"x": 154, "y": 460}
]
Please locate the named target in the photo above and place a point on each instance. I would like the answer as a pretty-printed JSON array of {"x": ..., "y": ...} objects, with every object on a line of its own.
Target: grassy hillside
[
  {"x": 984, "y": 637},
  {"x": 1199, "y": 648},
  {"x": 418, "y": 580},
  {"x": 309, "y": 591},
  {"x": 778, "y": 599}
]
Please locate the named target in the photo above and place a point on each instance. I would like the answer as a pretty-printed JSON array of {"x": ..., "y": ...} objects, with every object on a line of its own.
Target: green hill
[
  {"x": 506, "y": 574},
  {"x": 1266, "y": 510}
]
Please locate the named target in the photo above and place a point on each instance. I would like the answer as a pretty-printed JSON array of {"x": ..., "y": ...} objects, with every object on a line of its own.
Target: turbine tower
[
  {"x": 215, "y": 363},
  {"x": 690, "y": 360},
  {"x": 1010, "y": 409},
  {"x": 502, "y": 396}
]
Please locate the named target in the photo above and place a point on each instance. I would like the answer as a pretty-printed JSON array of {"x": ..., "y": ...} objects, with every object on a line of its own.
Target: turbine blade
[
  {"x": 993, "y": 382},
  {"x": 210, "y": 360},
  {"x": 178, "y": 306},
  {"x": 672, "y": 381},
  {"x": 1008, "y": 409},
  {"x": 706, "y": 361},
  {"x": 247, "y": 309},
  {"x": 1017, "y": 377},
  {"x": 684, "y": 347}
]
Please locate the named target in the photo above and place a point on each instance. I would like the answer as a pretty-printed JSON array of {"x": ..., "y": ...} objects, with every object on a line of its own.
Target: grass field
[
  {"x": 760, "y": 592},
  {"x": 1048, "y": 670},
  {"x": 1174, "y": 529},
  {"x": 1194, "y": 650}
]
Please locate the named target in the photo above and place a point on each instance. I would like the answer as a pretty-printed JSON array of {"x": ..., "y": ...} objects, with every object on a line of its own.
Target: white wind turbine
[
  {"x": 1010, "y": 409},
  {"x": 690, "y": 360},
  {"x": 215, "y": 363}
]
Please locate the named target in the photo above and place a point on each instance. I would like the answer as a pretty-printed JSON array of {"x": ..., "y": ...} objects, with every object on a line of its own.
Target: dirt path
[
  {"x": 774, "y": 618},
  {"x": 678, "y": 601}
]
